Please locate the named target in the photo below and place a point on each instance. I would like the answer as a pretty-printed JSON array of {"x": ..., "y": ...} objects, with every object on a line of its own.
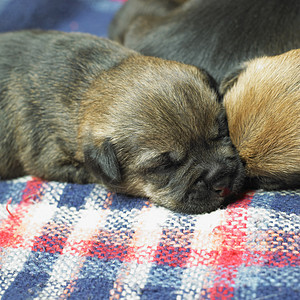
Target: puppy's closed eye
[
  {"x": 103, "y": 162},
  {"x": 163, "y": 163}
]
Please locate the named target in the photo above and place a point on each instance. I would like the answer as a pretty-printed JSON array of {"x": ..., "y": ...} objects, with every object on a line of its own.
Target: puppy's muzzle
[
  {"x": 216, "y": 182},
  {"x": 219, "y": 179}
]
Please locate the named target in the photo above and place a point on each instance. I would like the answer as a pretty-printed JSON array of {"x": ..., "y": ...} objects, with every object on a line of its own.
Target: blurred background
[{"x": 91, "y": 16}]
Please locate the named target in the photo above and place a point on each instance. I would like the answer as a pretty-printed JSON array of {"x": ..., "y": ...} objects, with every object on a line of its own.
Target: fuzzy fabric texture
[
  {"x": 68, "y": 241},
  {"x": 61, "y": 241}
]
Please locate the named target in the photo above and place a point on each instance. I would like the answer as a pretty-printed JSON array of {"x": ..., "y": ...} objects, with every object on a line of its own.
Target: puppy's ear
[
  {"x": 212, "y": 83},
  {"x": 103, "y": 162},
  {"x": 231, "y": 78}
]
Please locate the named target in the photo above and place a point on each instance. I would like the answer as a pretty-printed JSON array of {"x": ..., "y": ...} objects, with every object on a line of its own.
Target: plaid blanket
[{"x": 61, "y": 241}]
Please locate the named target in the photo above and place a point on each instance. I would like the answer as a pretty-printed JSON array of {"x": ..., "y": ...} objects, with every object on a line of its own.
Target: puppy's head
[
  {"x": 156, "y": 129},
  {"x": 263, "y": 108}
]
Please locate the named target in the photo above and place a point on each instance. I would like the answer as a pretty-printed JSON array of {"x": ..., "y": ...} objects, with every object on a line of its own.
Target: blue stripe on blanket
[{"x": 74, "y": 195}]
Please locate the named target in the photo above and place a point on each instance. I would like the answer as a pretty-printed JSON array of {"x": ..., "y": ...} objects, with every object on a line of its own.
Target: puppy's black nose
[
  {"x": 219, "y": 179},
  {"x": 223, "y": 191}
]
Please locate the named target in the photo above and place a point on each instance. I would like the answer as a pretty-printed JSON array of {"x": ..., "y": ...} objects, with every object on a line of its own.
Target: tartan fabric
[{"x": 61, "y": 241}]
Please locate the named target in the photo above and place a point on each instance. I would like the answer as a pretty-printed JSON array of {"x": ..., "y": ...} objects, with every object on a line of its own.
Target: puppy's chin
[
  {"x": 200, "y": 201},
  {"x": 197, "y": 201}
]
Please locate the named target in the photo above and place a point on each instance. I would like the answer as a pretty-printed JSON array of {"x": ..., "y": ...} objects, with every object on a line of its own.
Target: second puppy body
[
  {"x": 216, "y": 35},
  {"x": 74, "y": 107},
  {"x": 262, "y": 102}
]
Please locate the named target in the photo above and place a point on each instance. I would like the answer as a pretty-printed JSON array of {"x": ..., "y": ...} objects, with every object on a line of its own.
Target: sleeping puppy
[
  {"x": 216, "y": 35},
  {"x": 262, "y": 101},
  {"x": 77, "y": 108}
]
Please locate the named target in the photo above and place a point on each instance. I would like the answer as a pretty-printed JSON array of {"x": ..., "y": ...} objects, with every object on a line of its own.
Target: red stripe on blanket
[
  {"x": 11, "y": 230},
  {"x": 174, "y": 250},
  {"x": 53, "y": 239},
  {"x": 232, "y": 250},
  {"x": 32, "y": 191},
  {"x": 169, "y": 256},
  {"x": 50, "y": 244}
]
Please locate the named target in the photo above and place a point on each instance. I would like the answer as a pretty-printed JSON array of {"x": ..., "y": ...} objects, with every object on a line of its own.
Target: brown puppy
[
  {"x": 216, "y": 35},
  {"x": 263, "y": 110},
  {"x": 74, "y": 107}
]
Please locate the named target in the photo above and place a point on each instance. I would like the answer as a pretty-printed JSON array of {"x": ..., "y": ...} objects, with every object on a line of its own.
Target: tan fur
[{"x": 263, "y": 110}]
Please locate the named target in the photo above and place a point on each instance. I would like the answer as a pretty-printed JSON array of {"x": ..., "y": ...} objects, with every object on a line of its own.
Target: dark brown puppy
[
  {"x": 263, "y": 110},
  {"x": 145, "y": 9},
  {"x": 216, "y": 35},
  {"x": 74, "y": 107}
]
